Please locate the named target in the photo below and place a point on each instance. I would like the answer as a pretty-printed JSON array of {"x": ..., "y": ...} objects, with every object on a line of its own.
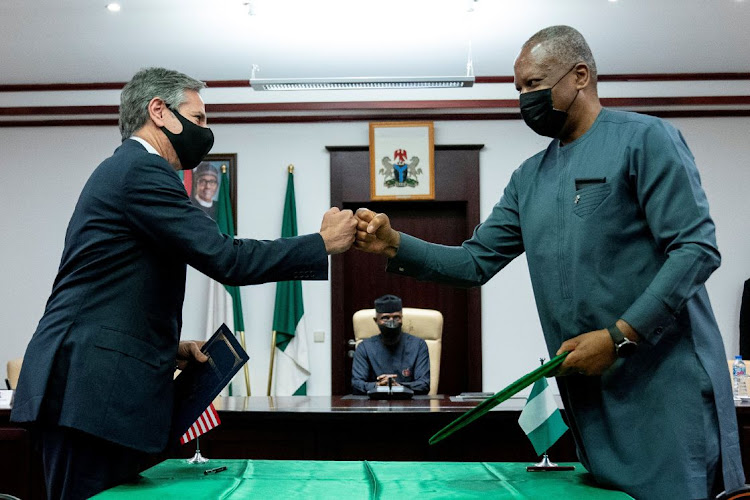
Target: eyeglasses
[{"x": 208, "y": 182}]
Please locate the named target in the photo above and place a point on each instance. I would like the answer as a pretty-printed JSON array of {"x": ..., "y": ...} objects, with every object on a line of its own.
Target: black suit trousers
[{"x": 78, "y": 465}]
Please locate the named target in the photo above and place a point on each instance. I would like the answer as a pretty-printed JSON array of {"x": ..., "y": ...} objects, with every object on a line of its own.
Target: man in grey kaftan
[{"x": 617, "y": 233}]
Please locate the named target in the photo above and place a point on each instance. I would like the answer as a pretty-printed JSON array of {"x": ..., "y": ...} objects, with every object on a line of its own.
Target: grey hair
[
  {"x": 148, "y": 83},
  {"x": 566, "y": 45}
]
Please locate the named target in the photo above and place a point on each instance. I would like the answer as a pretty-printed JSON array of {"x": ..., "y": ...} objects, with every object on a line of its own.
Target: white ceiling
[{"x": 61, "y": 41}]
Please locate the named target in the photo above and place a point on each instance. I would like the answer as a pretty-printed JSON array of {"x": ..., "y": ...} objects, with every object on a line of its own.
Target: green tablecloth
[{"x": 365, "y": 480}]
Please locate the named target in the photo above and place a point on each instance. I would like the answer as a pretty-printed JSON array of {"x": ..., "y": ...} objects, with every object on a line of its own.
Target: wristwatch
[{"x": 624, "y": 347}]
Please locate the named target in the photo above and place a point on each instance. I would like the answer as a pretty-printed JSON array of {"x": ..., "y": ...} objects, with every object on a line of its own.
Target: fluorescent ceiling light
[{"x": 353, "y": 83}]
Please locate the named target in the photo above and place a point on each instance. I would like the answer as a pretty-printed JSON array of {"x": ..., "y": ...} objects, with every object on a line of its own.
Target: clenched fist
[
  {"x": 338, "y": 229},
  {"x": 375, "y": 234}
]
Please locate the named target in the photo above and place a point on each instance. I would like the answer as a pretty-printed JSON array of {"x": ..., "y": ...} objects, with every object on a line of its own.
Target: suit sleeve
[
  {"x": 421, "y": 383},
  {"x": 669, "y": 192},
  {"x": 361, "y": 371},
  {"x": 495, "y": 243},
  {"x": 158, "y": 207}
]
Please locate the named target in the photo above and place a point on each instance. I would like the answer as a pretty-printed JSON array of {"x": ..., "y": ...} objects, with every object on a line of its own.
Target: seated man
[{"x": 393, "y": 355}]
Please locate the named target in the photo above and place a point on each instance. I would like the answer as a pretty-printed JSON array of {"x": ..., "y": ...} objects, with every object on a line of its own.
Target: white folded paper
[{"x": 6, "y": 397}]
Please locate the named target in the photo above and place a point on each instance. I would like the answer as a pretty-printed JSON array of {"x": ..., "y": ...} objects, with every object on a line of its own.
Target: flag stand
[
  {"x": 546, "y": 465},
  {"x": 197, "y": 458}
]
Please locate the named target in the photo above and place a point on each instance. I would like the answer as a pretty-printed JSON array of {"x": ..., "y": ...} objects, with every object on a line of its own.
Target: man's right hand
[
  {"x": 338, "y": 229},
  {"x": 375, "y": 234}
]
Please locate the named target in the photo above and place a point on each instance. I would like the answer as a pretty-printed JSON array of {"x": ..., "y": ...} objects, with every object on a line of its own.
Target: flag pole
[
  {"x": 270, "y": 366},
  {"x": 245, "y": 368},
  {"x": 289, "y": 169},
  {"x": 288, "y": 310},
  {"x": 241, "y": 333}
]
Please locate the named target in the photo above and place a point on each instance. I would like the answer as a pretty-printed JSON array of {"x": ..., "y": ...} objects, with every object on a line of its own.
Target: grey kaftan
[{"x": 616, "y": 225}]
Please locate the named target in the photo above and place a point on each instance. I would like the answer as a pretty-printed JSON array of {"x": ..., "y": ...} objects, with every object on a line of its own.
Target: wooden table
[{"x": 356, "y": 428}]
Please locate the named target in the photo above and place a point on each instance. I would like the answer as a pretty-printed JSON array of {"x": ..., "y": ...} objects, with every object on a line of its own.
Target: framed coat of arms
[{"x": 402, "y": 163}]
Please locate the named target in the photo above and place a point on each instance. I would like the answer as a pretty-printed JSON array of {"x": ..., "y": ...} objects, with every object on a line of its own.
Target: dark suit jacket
[
  {"x": 409, "y": 359},
  {"x": 103, "y": 355}
]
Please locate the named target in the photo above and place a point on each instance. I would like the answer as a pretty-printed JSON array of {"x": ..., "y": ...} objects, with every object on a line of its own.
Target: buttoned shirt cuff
[{"x": 650, "y": 317}]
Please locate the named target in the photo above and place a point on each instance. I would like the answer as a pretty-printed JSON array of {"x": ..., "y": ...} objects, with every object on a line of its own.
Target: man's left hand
[
  {"x": 189, "y": 350},
  {"x": 590, "y": 354}
]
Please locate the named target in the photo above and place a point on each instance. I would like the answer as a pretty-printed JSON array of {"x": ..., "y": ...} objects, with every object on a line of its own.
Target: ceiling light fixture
[
  {"x": 351, "y": 83},
  {"x": 358, "y": 83},
  {"x": 113, "y": 7}
]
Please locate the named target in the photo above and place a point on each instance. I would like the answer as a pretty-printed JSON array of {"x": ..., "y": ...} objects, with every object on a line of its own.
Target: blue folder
[{"x": 199, "y": 383}]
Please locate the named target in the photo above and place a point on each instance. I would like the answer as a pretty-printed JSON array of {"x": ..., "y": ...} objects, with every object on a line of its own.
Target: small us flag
[{"x": 207, "y": 421}]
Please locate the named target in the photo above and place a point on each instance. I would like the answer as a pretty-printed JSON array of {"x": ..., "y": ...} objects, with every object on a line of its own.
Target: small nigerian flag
[{"x": 540, "y": 418}]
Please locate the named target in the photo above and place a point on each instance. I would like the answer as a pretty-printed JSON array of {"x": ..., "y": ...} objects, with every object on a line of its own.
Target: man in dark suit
[{"x": 97, "y": 374}]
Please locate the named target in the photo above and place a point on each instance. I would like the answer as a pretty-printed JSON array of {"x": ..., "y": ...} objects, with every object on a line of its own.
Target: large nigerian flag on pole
[
  {"x": 224, "y": 302},
  {"x": 541, "y": 419},
  {"x": 291, "y": 367}
]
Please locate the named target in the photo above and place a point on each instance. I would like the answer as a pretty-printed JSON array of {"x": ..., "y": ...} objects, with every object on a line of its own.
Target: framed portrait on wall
[
  {"x": 402, "y": 163},
  {"x": 203, "y": 183}
]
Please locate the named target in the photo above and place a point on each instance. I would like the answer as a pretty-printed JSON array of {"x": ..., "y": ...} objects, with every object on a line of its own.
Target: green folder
[{"x": 547, "y": 369}]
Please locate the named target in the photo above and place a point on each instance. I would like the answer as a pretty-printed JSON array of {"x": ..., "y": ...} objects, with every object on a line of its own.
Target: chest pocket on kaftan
[{"x": 590, "y": 193}]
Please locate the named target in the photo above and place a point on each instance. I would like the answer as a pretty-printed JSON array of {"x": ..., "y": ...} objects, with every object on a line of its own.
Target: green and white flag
[
  {"x": 291, "y": 362},
  {"x": 541, "y": 419},
  {"x": 224, "y": 302}
]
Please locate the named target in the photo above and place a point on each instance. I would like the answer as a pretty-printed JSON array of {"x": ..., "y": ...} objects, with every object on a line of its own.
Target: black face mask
[
  {"x": 192, "y": 144},
  {"x": 540, "y": 114},
  {"x": 390, "y": 332}
]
